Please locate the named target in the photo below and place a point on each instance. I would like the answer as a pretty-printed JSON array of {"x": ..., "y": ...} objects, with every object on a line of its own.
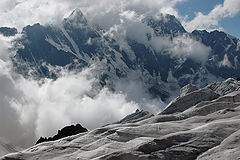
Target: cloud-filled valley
[{"x": 31, "y": 108}]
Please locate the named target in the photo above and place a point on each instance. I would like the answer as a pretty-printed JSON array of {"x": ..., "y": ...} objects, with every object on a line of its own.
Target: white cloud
[
  {"x": 229, "y": 8},
  {"x": 135, "y": 89},
  {"x": 6, "y": 5},
  {"x": 30, "y": 109},
  {"x": 130, "y": 26},
  {"x": 182, "y": 46},
  {"x": 106, "y": 13},
  {"x": 16, "y": 12},
  {"x": 69, "y": 100}
]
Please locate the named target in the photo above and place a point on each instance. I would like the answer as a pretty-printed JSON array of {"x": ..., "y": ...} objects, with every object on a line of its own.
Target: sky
[
  {"x": 230, "y": 24},
  {"x": 194, "y": 14}
]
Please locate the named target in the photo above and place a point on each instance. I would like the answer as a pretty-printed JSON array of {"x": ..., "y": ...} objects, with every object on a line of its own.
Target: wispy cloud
[
  {"x": 16, "y": 12},
  {"x": 228, "y": 9},
  {"x": 182, "y": 46}
]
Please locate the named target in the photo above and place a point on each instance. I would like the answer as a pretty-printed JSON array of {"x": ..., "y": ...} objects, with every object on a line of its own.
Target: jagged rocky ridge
[
  {"x": 76, "y": 44},
  {"x": 65, "y": 132},
  {"x": 206, "y": 129}
]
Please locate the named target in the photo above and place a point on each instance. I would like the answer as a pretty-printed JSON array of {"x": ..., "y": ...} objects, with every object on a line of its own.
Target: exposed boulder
[
  {"x": 188, "y": 89},
  {"x": 225, "y": 87},
  {"x": 182, "y": 103},
  {"x": 230, "y": 97},
  {"x": 139, "y": 115}
]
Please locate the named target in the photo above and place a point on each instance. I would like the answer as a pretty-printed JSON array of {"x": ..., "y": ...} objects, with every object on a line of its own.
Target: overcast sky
[{"x": 194, "y": 14}]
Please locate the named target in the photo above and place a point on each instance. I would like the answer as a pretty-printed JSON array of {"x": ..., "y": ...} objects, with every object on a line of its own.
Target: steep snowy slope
[{"x": 207, "y": 129}]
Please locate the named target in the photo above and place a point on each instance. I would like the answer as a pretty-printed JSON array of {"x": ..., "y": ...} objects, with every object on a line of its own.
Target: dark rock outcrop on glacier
[
  {"x": 65, "y": 132},
  {"x": 206, "y": 130}
]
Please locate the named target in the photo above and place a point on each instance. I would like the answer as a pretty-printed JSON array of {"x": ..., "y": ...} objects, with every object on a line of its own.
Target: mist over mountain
[{"x": 157, "y": 50}]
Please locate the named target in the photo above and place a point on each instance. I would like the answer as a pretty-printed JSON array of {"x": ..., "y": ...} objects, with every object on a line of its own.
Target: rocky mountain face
[
  {"x": 188, "y": 128},
  {"x": 224, "y": 58},
  {"x": 75, "y": 44}
]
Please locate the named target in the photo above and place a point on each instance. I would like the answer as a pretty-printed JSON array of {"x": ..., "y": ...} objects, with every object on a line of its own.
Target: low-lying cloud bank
[
  {"x": 31, "y": 108},
  {"x": 48, "y": 106}
]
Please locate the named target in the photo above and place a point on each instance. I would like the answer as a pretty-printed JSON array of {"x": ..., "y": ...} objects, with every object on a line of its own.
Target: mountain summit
[
  {"x": 77, "y": 17},
  {"x": 165, "y": 25}
]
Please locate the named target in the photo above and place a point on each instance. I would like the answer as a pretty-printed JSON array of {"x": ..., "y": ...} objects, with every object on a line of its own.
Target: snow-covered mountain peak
[
  {"x": 165, "y": 24},
  {"x": 76, "y": 17}
]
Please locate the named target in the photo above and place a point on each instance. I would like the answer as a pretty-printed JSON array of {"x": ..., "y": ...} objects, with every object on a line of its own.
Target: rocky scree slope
[{"x": 206, "y": 129}]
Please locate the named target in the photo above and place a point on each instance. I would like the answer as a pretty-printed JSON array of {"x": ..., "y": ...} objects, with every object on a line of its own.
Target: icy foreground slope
[{"x": 209, "y": 129}]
